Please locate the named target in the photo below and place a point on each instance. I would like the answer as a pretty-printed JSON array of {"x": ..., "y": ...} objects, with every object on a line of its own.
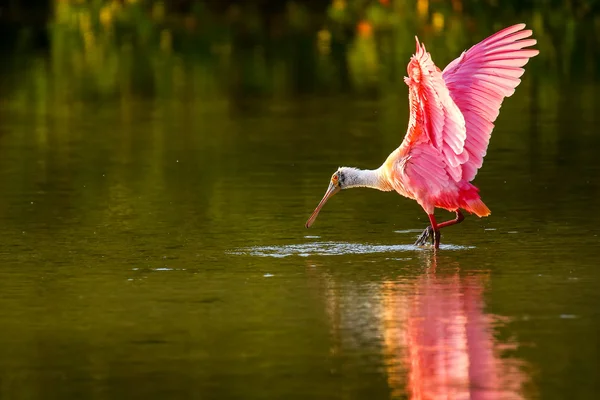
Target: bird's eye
[{"x": 334, "y": 179}]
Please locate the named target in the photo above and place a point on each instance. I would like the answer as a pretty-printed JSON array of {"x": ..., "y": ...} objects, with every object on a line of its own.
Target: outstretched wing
[
  {"x": 435, "y": 119},
  {"x": 478, "y": 82}
]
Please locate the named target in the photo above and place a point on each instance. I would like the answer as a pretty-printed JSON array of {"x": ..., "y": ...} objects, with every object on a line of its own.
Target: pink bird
[{"x": 452, "y": 114}]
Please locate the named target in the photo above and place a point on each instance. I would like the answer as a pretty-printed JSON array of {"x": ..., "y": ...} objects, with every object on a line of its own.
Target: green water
[{"x": 155, "y": 248}]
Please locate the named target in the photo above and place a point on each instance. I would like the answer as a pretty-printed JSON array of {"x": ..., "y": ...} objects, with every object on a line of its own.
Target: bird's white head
[{"x": 346, "y": 178}]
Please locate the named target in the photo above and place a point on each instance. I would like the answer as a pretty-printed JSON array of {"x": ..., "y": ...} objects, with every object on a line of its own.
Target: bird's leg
[
  {"x": 436, "y": 232},
  {"x": 459, "y": 218},
  {"x": 436, "y": 238},
  {"x": 433, "y": 230},
  {"x": 425, "y": 236}
]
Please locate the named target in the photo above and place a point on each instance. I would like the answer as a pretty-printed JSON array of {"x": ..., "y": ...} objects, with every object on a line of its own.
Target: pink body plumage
[{"x": 452, "y": 115}]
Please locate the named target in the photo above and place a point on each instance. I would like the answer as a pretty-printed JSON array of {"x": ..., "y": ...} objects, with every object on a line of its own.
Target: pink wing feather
[
  {"x": 478, "y": 82},
  {"x": 435, "y": 119}
]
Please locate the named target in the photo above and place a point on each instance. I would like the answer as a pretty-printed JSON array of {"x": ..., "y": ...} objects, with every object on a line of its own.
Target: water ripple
[{"x": 333, "y": 249}]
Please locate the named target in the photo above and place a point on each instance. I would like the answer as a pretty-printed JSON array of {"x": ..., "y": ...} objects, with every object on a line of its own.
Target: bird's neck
[{"x": 370, "y": 178}]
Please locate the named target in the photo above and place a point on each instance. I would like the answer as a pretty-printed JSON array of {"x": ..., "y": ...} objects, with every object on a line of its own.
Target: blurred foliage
[{"x": 153, "y": 47}]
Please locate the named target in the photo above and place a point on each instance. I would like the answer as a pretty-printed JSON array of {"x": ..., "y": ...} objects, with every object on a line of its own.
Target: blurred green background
[{"x": 124, "y": 48}]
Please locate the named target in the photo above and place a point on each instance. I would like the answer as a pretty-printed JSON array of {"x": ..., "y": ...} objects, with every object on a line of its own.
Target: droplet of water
[
  {"x": 568, "y": 316},
  {"x": 409, "y": 231}
]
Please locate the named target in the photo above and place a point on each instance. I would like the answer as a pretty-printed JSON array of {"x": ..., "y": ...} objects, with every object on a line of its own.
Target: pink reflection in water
[{"x": 439, "y": 342}]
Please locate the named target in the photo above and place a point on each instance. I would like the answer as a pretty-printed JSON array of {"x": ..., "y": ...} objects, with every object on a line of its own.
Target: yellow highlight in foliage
[
  {"x": 85, "y": 21},
  {"x": 106, "y": 16},
  {"x": 158, "y": 11},
  {"x": 116, "y": 5},
  {"x": 89, "y": 40},
  {"x": 166, "y": 40},
  {"x": 339, "y": 4},
  {"x": 324, "y": 41},
  {"x": 422, "y": 8},
  {"x": 437, "y": 21}
]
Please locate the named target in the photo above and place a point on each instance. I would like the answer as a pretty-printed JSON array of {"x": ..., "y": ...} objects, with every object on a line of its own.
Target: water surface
[{"x": 155, "y": 248}]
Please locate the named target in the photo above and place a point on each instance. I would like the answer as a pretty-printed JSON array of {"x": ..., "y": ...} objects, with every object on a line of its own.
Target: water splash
[{"x": 333, "y": 249}]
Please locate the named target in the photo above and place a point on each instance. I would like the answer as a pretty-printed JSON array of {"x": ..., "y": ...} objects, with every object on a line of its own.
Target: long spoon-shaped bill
[{"x": 328, "y": 194}]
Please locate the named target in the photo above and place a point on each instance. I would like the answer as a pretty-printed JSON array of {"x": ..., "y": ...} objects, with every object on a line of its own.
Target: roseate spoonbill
[{"x": 452, "y": 114}]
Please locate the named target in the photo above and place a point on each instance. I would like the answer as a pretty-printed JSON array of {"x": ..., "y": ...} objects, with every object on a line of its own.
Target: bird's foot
[{"x": 425, "y": 237}]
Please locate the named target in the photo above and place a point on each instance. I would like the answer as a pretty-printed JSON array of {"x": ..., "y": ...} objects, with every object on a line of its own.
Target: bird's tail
[
  {"x": 477, "y": 207},
  {"x": 472, "y": 203}
]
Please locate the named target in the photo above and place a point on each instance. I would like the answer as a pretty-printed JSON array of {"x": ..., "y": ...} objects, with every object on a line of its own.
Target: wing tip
[
  {"x": 506, "y": 32},
  {"x": 515, "y": 28},
  {"x": 420, "y": 49}
]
